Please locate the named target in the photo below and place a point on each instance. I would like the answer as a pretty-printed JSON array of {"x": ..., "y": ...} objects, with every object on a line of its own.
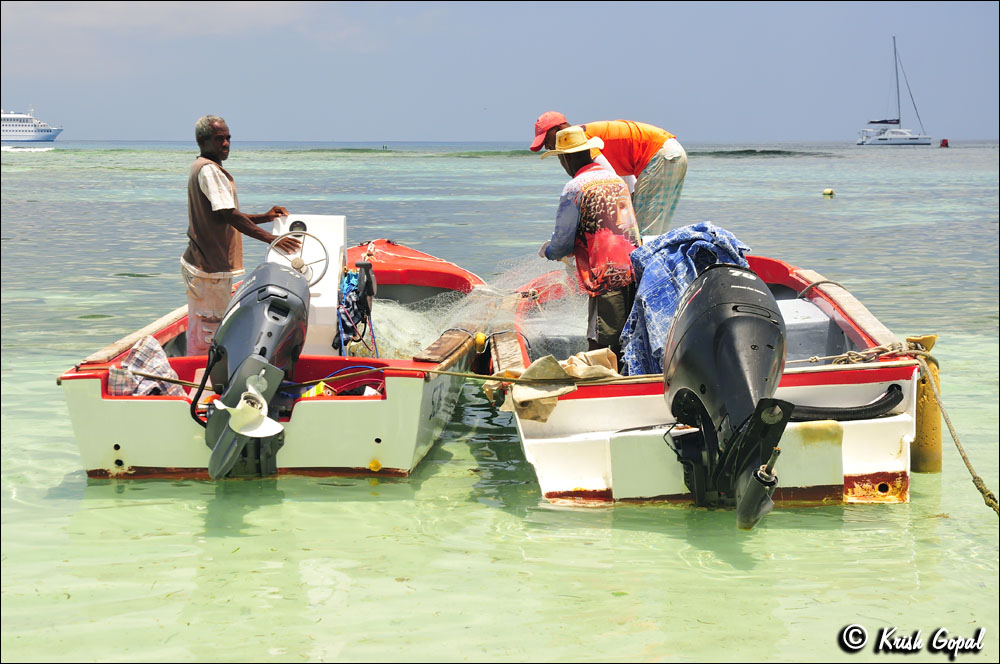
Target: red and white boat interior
[
  {"x": 607, "y": 442},
  {"x": 386, "y": 428}
]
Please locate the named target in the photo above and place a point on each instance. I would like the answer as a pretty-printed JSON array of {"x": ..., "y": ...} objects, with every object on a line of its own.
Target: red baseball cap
[{"x": 546, "y": 121}]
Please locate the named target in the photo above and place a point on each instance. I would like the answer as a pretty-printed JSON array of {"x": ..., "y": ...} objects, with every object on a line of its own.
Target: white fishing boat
[
  {"x": 778, "y": 385},
  {"x": 888, "y": 131},
  {"x": 292, "y": 395},
  {"x": 18, "y": 127},
  {"x": 706, "y": 429}
]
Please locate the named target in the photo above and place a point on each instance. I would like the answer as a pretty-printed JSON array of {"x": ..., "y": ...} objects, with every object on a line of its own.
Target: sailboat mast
[{"x": 895, "y": 63}]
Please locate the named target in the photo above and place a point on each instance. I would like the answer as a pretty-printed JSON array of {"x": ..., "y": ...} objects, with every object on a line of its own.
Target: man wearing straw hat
[
  {"x": 649, "y": 156},
  {"x": 596, "y": 224}
]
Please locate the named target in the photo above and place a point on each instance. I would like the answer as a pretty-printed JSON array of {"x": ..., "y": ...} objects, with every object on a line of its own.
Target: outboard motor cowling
[
  {"x": 267, "y": 317},
  {"x": 255, "y": 348},
  {"x": 723, "y": 358}
]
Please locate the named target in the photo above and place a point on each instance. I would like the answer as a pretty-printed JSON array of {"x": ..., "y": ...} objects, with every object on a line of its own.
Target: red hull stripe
[
  {"x": 844, "y": 377},
  {"x": 849, "y": 376},
  {"x": 788, "y": 496}
]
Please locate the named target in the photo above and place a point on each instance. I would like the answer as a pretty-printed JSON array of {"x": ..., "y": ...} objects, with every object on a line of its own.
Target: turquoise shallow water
[{"x": 465, "y": 560}]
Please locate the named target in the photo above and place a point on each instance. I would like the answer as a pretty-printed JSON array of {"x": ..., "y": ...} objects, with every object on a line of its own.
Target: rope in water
[
  {"x": 988, "y": 496},
  {"x": 923, "y": 357}
]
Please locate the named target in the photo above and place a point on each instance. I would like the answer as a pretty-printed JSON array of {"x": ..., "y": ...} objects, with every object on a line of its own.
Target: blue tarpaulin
[{"x": 664, "y": 267}]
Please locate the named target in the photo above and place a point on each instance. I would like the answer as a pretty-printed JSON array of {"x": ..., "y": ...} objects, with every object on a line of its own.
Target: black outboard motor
[
  {"x": 255, "y": 348},
  {"x": 724, "y": 357}
]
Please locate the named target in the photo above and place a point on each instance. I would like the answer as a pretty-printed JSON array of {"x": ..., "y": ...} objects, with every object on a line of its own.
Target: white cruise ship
[{"x": 26, "y": 128}]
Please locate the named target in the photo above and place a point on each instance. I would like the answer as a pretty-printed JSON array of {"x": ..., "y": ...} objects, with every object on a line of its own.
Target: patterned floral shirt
[{"x": 595, "y": 222}]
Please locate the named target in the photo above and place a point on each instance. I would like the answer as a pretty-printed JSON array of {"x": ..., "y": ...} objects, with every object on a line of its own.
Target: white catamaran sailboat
[{"x": 888, "y": 131}]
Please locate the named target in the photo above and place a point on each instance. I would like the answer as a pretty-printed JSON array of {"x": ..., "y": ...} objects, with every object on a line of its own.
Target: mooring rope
[
  {"x": 174, "y": 381},
  {"x": 922, "y": 357},
  {"x": 988, "y": 496},
  {"x": 642, "y": 378}
]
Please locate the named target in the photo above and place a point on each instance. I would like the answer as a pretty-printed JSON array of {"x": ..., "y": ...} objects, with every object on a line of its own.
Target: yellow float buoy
[
  {"x": 925, "y": 450},
  {"x": 828, "y": 192},
  {"x": 480, "y": 342},
  {"x": 374, "y": 466}
]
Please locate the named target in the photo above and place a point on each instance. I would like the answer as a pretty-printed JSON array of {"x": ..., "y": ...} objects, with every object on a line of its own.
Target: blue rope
[
  {"x": 371, "y": 328},
  {"x": 340, "y": 329},
  {"x": 356, "y": 366}
]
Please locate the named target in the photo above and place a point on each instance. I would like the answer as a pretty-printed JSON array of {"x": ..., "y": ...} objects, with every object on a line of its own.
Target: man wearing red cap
[{"x": 652, "y": 155}]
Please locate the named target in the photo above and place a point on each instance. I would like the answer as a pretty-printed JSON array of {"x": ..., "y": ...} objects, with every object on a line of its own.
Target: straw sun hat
[{"x": 572, "y": 139}]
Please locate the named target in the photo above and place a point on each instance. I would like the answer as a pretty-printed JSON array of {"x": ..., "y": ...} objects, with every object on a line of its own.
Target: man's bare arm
[
  {"x": 269, "y": 216},
  {"x": 247, "y": 225}
]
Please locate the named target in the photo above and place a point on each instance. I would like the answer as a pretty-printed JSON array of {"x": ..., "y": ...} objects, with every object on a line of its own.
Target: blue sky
[{"x": 709, "y": 72}]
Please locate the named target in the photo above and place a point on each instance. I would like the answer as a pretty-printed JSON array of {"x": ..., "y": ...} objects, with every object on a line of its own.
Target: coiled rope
[{"x": 897, "y": 349}]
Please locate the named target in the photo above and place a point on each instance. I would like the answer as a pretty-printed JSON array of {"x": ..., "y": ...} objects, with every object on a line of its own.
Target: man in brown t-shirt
[{"x": 215, "y": 235}]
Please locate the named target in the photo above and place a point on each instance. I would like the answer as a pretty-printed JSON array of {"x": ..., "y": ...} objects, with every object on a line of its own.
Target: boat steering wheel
[{"x": 296, "y": 262}]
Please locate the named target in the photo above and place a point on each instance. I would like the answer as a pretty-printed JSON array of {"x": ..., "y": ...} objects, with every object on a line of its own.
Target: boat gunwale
[
  {"x": 830, "y": 374},
  {"x": 836, "y": 302},
  {"x": 169, "y": 326}
]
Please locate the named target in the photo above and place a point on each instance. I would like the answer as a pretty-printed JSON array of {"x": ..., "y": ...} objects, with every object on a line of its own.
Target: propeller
[{"x": 247, "y": 419}]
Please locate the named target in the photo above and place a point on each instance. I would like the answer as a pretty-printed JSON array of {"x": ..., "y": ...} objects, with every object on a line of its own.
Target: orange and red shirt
[
  {"x": 596, "y": 223},
  {"x": 628, "y": 145}
]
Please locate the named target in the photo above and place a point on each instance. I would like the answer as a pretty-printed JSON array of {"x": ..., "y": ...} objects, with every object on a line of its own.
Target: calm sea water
[{"x": 465, "y": 560}]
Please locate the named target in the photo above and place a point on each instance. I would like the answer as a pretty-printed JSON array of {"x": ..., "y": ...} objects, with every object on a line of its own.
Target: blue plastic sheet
[
  {"x": 664, "y": 267},
  {"x": 348, "y": 314}
]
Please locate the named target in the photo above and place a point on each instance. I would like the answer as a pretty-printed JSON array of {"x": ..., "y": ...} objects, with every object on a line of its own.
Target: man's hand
[
  {"x": 541, "y": 251},
  {"x": 275, "y": 212},
  {"x": 288, "y": 244}
]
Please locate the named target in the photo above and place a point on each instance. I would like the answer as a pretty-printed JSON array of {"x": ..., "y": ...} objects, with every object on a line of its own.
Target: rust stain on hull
[
  {"x": 883, "y": 487},
  {"x": 154, "y": 473},
  {"x": 809, "y": 495},
  {"x": 675, "y": 498},
  {"x": 149, "y": 473},
  {"x": 785, "y": 496},
  {"x": 580, "y": 496},
  {"x": 344, "y": 472}
]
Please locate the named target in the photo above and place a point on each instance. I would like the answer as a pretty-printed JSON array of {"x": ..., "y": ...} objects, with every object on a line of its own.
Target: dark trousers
[{"x": 606, "y": 315}]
